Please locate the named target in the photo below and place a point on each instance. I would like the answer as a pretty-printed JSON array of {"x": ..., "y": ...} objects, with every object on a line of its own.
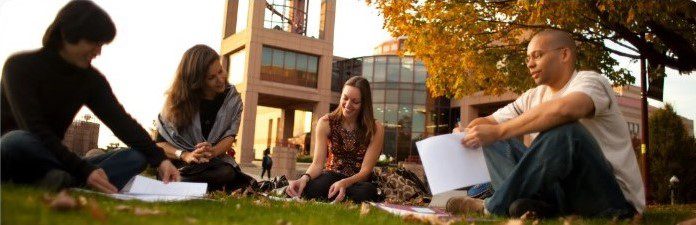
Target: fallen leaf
[
  {"x": 283, "y": 222},
  {"x": 427, "y": 219},
  {"x": 96, "y": 211},
  {"x": 46, "y": 198},
  {"x": 527, "y": 215},
  {"x": 568, "y": 220},
  {"x": 514, "y": 222},
  {"x": 123, "y": 208},
  {"x": 81, "y": 201},
  {"x": 262, "y": 202},
  {"x": 146, "y": 212},
  {"x": 237, "y": 193},
  {"x": 63, "y": 201},
  {"x": 30, "y": 199},
  {"x": 364, "y": 209},
  {"x": 691, "y": 221},
  {"x": 191, "y": 220},
  {"x": 637, "y": 219}
]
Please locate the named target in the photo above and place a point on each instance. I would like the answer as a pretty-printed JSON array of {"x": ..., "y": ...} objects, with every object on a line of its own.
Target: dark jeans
[
  {"x": 564, "y": 167},
  {"x": 219, "y": 176},
  {"x": 266, "y": 171},
  {"x": 318, "y": 188},
  {"x": 26, "y": 160}
]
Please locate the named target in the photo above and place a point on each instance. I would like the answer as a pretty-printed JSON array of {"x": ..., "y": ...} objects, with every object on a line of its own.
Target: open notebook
[{"x": 151, "y": 190}]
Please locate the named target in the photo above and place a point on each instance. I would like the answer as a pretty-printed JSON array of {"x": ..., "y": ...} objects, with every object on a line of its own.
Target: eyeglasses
[{"x": 536, "y": 55}]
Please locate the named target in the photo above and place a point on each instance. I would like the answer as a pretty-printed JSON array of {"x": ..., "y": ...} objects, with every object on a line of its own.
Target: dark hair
[
  {"x": 77, "y": 20},
  {"x": 366, "y": 119},
  {"x": 184, "y": 96},
  {"x": 267, "y": 151}
]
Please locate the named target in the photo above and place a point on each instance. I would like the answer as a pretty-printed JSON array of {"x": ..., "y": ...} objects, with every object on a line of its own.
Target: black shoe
[
  {"x": 55, "y": 180},
  {"x": 536, "y": 208}
]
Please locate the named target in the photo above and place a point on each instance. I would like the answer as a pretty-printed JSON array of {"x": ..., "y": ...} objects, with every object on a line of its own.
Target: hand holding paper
[{"x": 449, "y": 165}]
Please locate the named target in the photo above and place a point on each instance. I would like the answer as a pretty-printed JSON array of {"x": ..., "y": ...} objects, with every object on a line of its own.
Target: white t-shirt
[{"x": 607, "y": 126}]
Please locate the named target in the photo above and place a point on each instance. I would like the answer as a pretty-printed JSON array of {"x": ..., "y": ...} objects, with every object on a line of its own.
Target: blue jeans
[
  {"x": 564, "y": 167},
  {"x": 25, "y": 160}
]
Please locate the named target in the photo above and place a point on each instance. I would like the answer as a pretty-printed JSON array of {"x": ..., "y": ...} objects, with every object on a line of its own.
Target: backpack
[{"x": 400, "y": 186}]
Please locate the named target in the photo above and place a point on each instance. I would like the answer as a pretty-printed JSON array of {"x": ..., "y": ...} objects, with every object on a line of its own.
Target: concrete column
[
  {"x": 468, "y": 113},
  {"x": 287, "y": 121},
  {"x": 245, "y": 150},
  {"x": 328, "y": 14},
  {"x": 230, "y": 22},
  {"x": 256, "y": 14}
]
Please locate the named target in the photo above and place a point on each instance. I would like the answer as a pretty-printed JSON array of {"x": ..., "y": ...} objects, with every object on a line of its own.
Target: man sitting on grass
[
  {"x": 43, "y": 90},
  {"x": 581, "y": 160}
]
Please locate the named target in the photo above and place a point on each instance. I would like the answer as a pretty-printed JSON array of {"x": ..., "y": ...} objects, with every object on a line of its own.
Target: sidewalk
[{"x": 254, "y": 170}]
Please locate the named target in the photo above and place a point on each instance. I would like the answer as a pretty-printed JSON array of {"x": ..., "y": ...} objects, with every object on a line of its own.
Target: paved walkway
[{"x": 254, "y": 170}]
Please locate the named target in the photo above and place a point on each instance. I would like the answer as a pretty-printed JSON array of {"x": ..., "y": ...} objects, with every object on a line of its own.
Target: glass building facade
[
  {"x": 289, "y": 67},
  {"x": 400, "y": 100}
]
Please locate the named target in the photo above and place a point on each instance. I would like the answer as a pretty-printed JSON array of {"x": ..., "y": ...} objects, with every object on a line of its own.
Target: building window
[
  {"x": 367, "y": 68},
  {"x": 406, "y": 70},
  {"x": 380, "y": 69},
  {"x": 242, "y": 15},
  {"x": 393, "y": 68},
  {"x": 420, "y": 74},
  {"x": 392, "y": 96},
  {"x": 633, "y": 128},
  {"x": 237, "y": 67},
  {"x": 378, "y": 111},
  {"x": 289, "y": 67}
]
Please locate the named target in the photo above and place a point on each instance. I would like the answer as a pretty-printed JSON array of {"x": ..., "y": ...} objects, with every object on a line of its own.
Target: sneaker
[
  {"x": 480, "y": 191},
  {"x": 536, "y": 208},
  {"x": 55, "y": 180},
  {"x": 464, "y": 205}
]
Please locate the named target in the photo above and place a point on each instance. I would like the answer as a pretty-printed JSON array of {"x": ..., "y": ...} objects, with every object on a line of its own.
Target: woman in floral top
[{"x": 349, "y": 140}]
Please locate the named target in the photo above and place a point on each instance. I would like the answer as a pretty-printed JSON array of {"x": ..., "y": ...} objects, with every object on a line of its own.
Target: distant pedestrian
[{"x": 266, "y": 163}]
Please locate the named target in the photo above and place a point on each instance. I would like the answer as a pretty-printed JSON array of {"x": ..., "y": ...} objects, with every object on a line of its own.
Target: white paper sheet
[
  {"x": 153, "y": 198},
  {"x": 449, "y": 165},
  {"x": 150, "y": 190},
  {"x": 141, "y": 185}
]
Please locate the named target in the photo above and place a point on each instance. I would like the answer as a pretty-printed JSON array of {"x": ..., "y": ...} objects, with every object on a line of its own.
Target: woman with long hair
[
  {"x": 200, "y": 120},
  {"x": 348, "y": 143}
]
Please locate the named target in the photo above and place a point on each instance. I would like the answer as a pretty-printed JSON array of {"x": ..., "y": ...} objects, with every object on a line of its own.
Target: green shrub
[{"x": 672, "y": 152}]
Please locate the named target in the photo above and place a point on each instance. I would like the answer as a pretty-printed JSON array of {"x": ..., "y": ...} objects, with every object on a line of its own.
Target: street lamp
[{"x": 672, "y": 187}]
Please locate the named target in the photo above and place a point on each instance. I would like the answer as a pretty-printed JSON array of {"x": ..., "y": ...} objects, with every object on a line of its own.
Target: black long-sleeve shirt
[{"x": 42, "y": 93}]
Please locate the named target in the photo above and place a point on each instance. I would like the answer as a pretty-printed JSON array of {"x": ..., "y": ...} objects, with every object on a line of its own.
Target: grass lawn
[{"x": 26, "y": 205}]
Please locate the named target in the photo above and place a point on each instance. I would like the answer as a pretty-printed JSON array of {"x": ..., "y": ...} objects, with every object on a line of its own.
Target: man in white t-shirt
[{"x": 580, "y": 161}]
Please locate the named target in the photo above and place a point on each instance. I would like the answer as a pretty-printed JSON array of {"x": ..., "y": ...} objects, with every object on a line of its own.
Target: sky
[{"x": 141, "y": 61}]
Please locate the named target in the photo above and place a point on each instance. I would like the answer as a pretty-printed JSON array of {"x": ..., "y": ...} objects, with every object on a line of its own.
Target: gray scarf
[{"x": 226, "y": 124}]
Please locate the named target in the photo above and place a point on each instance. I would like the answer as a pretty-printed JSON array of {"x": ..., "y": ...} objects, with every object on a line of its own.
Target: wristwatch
[{"x": 178, "y": 153}]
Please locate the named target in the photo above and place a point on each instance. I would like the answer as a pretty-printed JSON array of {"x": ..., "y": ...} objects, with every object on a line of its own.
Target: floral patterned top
[{"x": 346, "y": 148}]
